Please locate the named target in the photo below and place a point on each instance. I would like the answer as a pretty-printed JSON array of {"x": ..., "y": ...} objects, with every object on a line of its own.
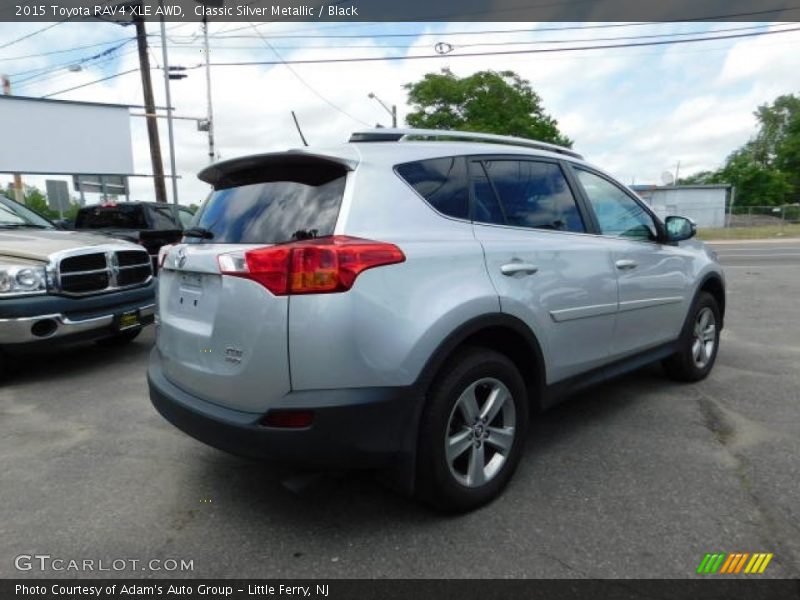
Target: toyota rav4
[{"x": 406, "y": 300}]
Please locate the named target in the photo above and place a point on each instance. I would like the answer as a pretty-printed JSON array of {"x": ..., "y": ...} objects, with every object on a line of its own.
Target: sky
[{"x": 635, "y": 112}]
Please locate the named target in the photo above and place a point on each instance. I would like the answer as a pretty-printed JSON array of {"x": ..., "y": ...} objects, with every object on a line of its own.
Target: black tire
[
  {"x": 682, "y": 366},
  {"x": 436, "y": 482},
  {"x": 121, "y": 338}
]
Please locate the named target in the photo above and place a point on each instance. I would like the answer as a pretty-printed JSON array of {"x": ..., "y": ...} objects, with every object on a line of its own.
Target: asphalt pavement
[
  {"x": 638, "y": 478},
  {"x": 758, "y": 252}
]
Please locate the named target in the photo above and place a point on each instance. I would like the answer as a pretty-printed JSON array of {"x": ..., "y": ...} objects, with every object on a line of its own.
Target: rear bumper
[{"x": 352, "y": 428}]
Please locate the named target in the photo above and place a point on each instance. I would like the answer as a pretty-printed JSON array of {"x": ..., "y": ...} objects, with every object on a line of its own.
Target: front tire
[
  {"x": 698, "y": 344},
  {"x": 473, "y": 430}
]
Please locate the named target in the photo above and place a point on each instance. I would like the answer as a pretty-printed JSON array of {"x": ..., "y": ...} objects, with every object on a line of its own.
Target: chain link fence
[{"x": 763, "y": 216}]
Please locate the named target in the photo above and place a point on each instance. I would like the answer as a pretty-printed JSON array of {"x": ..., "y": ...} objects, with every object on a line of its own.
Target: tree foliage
[
  {"x": 36, "y": 200},
  {"x": 498, "y": 102},
  {"x": 766, "y": 170}
]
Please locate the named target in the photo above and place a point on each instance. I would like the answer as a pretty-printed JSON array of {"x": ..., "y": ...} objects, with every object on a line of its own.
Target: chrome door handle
[
  {"x": 626, "y": 264},
  {"x": 518, "y": 267}
]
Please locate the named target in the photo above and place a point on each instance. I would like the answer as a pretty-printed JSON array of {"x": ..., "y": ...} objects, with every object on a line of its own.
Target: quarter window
[
  {"x": 534, "y": 194},
  {"x": 617, "y": 213},
  {"x": 442, "y": 182}
]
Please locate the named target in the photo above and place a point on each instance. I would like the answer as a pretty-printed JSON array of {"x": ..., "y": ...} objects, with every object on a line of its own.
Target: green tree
[
  {"x": 36, "y": 200},
  {"x": 498, "y": 102},
  {"x": 766, "y": 170}
]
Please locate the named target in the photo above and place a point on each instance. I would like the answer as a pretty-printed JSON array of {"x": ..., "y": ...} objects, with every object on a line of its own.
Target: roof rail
[{"x": 405, "y": 135}]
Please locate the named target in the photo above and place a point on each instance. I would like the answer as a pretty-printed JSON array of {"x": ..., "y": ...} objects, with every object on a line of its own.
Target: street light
[{"x": 392, "y": 111}]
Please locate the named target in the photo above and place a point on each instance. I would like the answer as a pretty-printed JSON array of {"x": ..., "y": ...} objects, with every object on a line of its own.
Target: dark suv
[{"x": 150, "y": 224}]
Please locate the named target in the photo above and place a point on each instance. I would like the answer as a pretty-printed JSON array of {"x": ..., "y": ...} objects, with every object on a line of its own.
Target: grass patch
[{"x": 761, "y": 232}]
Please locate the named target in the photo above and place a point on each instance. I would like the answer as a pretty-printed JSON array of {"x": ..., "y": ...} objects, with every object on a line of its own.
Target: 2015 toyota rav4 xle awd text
[{"x": 405, "y": 300}]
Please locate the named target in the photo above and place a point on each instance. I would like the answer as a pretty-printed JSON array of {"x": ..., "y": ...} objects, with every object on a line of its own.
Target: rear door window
[
  {"x": 442, "y": 182},
  {"x": 271, "y": 212},
  {"x": 534, "y": 194}
]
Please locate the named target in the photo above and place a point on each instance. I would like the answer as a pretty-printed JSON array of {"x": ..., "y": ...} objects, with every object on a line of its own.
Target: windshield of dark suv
[
  {"x": 13, "y": 215},
  {"x": 271, "y": 212}
]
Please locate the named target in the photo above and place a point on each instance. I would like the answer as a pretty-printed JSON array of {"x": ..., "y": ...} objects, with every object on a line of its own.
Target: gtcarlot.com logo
[
  {"x": 46, "y": 562},
  {"x": 734, "y": 563}
]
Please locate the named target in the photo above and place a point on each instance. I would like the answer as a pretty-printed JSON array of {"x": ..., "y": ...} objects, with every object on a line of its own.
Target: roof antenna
[{"x": 300, "y": 131}]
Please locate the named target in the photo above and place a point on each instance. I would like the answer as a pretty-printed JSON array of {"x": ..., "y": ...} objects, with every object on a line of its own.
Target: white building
[{"x": 703, "y": 204}]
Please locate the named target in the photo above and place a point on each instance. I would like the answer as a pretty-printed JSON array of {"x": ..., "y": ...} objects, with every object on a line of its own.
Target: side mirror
[{"x": 679, "y": 228}]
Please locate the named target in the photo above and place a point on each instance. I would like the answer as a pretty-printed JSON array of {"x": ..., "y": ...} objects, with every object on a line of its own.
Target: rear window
[
  {"x": 442, "y": 182},
  {"x": 271, "y": 212},
  {"x": 116, "y": 217}
]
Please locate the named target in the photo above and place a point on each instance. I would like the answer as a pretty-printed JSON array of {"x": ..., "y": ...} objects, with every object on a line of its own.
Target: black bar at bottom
[{"x": 386, "y": 589}]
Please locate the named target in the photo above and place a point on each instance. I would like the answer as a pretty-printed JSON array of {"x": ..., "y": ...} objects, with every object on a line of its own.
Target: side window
[
  {"x": 617, "y": 213},
  {"x": 486, "y": 209},
  {"x": 186, "y": 217},
  {"x": 162, "y": 218},
  {"x": 442, "y": 182},
  {"x": 535, "y": 194}
]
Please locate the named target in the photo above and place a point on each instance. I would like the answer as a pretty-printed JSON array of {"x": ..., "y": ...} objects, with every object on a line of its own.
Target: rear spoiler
[{"x": 312, "y": 169}]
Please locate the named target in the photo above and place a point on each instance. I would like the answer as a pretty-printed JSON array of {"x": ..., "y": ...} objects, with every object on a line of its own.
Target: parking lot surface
[{"x": 638, "y": 478}]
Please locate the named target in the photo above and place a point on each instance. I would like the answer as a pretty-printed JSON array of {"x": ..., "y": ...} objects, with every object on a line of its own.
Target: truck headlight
[{"x": 22, "y": 280}]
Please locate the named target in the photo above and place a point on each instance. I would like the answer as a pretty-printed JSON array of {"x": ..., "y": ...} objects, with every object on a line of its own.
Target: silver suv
[{"x": 405, "y": 300}]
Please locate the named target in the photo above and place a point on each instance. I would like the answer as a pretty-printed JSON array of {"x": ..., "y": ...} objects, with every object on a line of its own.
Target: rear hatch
[{"x": 223, "y": 338}]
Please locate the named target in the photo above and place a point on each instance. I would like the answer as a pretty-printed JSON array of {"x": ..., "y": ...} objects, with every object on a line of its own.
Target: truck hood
[{"x": 39, "y": 244}]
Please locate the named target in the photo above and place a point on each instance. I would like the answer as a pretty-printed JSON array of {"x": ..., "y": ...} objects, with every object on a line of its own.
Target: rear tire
[
  {"x": 472, "y": 431},
  {"x": 698, "y": 344},
  {"x": 120, "y": 339}
]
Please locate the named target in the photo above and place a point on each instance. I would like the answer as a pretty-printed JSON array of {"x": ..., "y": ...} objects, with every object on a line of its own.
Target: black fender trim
[{"x": 403, "y": 476}]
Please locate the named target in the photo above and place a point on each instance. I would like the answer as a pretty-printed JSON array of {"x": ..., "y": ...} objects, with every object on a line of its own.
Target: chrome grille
[{"x": 95, "y": 272}]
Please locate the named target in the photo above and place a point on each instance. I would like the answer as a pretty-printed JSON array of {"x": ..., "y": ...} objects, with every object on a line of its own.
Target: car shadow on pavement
[
  {"x": 83, "y": 359},
  {"x": 357, "y": 500}
]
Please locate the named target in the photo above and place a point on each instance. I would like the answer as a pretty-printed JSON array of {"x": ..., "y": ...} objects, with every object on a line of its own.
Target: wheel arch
[
  {"x": 713, "y": 284},
  {"x": 501, "y": 332}
]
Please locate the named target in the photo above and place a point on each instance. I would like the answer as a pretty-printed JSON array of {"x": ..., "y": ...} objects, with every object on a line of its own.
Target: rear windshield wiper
[{"x": 198, "y": 232}]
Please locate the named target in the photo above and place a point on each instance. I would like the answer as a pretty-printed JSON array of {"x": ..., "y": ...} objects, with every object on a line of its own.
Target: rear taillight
[
  {"x": 162, "y": 254},
  {"x": 318, "y": 266}
]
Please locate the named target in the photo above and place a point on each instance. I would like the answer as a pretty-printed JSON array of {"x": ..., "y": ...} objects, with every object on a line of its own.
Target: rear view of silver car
[{"x": 405, "y": 303}]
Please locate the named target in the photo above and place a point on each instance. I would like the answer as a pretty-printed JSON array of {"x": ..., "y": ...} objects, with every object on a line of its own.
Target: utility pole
[
  {"x": 169, "y": 107},
  {"x": 150, "y": 109},
  {"x": 211, "y": 151},
  {"x": 19, "y": 192}
]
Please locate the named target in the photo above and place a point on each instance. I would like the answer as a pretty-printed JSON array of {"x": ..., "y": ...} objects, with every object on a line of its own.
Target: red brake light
[{"x": 318, "y": 266}]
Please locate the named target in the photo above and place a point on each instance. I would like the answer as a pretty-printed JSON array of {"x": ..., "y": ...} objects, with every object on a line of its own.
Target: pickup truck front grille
[{"x": 93, "y": 272}]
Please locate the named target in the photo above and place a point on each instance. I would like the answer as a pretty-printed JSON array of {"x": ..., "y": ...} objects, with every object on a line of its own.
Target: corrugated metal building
[{"x": 704, "y": 204}]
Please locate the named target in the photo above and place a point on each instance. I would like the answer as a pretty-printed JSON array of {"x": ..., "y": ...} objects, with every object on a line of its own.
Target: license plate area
[{"x": 128, "y": 320}]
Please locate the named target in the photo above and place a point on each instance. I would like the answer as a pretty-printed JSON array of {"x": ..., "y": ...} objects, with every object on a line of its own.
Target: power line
[
  {"x": 30, "y": 35},
  {"x": 56, "y": 76},
  {"x": 502, "y": 52},
  {"x": 504, "y": 43},
  {"x": 83, "y": 85},
  {"x": 79, "y": 61},
  {"x": 308, "y": 85},
  {"x": 501, "y": 31},
  {"x": 64, "y": 50},
  {"x": 469, "y": 54}
]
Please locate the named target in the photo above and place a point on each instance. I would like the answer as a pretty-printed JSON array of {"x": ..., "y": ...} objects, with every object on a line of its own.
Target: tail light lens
[
  {"x": 318, "y": 266},
  {"x": 162, "y": 254}
]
